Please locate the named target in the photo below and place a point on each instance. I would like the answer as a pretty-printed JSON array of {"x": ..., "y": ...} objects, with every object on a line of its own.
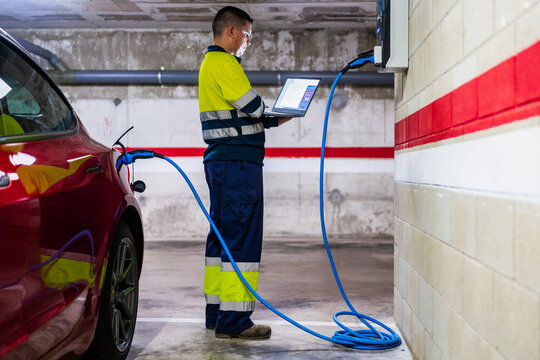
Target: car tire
[{"x": 119, "y": 300}]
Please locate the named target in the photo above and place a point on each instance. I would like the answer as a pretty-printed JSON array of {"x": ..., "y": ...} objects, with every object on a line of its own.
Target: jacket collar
[{"x": 220, "y": 49}]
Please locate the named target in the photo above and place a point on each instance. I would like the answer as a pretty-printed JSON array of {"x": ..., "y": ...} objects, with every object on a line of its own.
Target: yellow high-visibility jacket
[{"x": 230, "y": 110}]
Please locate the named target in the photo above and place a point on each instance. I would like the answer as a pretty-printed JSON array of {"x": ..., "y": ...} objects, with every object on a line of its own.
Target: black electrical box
[
  {"x": 383, "y": 29},
  {"x": 392, "y": 36}
]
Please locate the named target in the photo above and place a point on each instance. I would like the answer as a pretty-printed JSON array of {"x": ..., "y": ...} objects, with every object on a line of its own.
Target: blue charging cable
[
  {"x": 366, "y": 339},
  {"x": 371, "y": 339},
  {"x": 357, "y": 339}
]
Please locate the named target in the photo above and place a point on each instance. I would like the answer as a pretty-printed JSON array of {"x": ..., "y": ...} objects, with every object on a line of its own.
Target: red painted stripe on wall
[
  {"x": 333, "y": 152},
  {"x": 289, "y": 152},
  {"x": 508, "y": 92}
]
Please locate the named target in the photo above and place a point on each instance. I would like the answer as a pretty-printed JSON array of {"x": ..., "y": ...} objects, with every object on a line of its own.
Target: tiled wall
[{"x": 467, "y": 181}]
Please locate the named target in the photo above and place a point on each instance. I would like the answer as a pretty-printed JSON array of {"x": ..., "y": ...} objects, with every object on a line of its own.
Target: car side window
[{"x": 29, "y": 105}]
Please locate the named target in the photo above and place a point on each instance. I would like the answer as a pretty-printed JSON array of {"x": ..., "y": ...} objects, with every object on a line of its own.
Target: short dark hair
[{"x": 229, "y": 16}]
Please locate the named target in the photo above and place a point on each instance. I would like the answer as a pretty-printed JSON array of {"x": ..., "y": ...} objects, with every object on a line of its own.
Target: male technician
[{"x": 233, "y": 124}]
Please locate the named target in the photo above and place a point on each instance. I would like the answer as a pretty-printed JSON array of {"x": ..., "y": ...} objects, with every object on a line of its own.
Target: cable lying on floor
[{"x": 371, "y": 339}]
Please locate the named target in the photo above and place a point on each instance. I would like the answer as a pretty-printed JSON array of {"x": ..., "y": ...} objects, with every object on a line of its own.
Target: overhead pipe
[
  {"x": 190, "y": 77},
  {"x": 64, "y": 76},
  {"x": 39, "y": 51}
]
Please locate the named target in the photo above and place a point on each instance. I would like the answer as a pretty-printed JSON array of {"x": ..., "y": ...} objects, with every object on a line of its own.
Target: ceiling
[{"x": 183, "y": 14}]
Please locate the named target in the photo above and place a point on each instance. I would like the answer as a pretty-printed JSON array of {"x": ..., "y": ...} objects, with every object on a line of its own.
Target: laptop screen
[{"x": 296, "y": 95}]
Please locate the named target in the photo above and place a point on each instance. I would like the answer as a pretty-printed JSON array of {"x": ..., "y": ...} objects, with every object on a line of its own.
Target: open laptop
[{"x": 294, "y": 97}]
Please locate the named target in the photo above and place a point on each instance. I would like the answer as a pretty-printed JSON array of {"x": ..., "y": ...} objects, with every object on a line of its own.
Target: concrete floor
[{"x": 295, "y": 277}]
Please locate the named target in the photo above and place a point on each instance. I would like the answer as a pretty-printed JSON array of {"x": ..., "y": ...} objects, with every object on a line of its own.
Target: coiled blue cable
[{"x": 371, "y": 339}]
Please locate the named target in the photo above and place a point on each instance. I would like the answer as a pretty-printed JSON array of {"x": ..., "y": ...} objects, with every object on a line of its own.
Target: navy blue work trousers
[{"x": 236, "y": 207}]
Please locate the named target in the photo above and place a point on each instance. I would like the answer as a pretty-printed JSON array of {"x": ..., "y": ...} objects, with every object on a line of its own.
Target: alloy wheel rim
[{"x": 124, "y": 294}]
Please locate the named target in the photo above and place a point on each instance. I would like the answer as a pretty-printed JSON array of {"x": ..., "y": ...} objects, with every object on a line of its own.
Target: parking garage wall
[
  {"x": 467, "y": 181},
  {"x": 358, "y": 188}
]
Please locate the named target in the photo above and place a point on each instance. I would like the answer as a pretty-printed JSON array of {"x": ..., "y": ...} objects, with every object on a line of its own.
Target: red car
[{"x": 71, "y": 238}]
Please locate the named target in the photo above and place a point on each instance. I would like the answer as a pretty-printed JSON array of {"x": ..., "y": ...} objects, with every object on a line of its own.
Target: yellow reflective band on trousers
[
  {"x": 233, "y": 289},
  {"x": 223, "y": 286},
  {"x": 212, "y": 276}
]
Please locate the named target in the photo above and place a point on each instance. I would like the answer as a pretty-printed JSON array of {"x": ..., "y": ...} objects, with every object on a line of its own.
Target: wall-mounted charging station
[{"x": 392, "y": 49}]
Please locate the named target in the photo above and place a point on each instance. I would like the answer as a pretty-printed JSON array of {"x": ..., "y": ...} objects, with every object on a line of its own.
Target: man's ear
[{"x": 229, "y": 32}]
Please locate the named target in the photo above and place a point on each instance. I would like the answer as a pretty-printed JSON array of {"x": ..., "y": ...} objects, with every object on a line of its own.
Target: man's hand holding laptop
[{"x": 283, "y": 120}]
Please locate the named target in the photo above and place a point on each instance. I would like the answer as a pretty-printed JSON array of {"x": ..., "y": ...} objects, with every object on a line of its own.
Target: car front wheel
[{"x": 120, "y": 297}]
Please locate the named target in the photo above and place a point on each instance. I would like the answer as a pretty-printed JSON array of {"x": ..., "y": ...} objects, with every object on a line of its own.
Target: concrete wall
[
  {"x": 167, "y": 116},
  {"x": 467, "y": 180}
]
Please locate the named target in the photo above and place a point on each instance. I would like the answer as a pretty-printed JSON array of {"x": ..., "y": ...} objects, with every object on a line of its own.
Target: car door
[{"x": 53, "y": 199}]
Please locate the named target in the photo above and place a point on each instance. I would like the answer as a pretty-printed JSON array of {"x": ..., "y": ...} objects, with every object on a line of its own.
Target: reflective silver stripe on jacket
[
  {"x": 226, "y": 114},
  {"x": 245, "y": 99},
  {"x": 216, "y": 115},
  {"x": 237, "y": 306},
  {"x": 212, "y": 261},
  {"x": 252, "y": 129},
  {"x": 219, "y": 133},
  {"x": 212, "y": 299},
  {"x": 242, "y": 266}
]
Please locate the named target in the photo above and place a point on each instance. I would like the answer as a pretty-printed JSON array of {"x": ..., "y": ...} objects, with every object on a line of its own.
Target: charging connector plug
[
  {"x": 361, "y": 60},
  {"x": 129, "y": 157}
]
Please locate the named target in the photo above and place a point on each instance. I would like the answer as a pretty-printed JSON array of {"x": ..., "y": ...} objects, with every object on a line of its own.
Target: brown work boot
[{"x": 256, "y": 332}]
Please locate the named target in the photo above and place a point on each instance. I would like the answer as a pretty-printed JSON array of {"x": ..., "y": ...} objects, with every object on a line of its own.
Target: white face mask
[{"x": 242, "y": 50}]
